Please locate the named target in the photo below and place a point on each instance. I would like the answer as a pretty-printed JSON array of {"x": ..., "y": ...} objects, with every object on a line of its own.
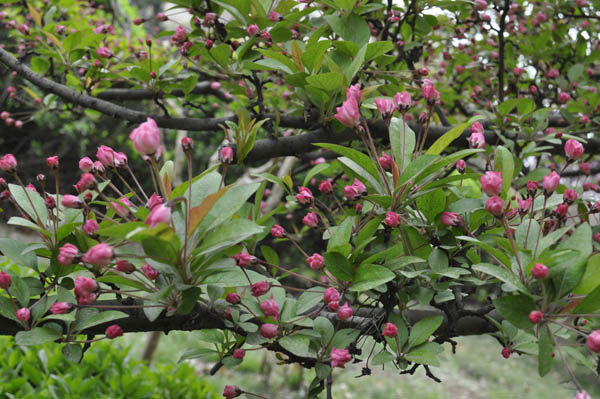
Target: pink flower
[
  {"x": 260, "y": 288},
  {"x": 491, "y": 183},
  {"x": 431, "y": 95},
  {"x": 392, "y": 219},
  {"x": 233, "y": 298},
  {"x": 476, "y": 140},
  {"x": 4, "y": 115},
  {"x": 60, "y": 308},
  {"x": 124, "y": 266},
  {"x": 244, "y": 259},
  {"x": 98, "y": 167},
  {"x": 179, "y": 36},
  {"x": 67, "y": 254},
  {"x": 315, "y": 261},
  {"x": 582, "y": 395},
  {"x": 532, "y": 187},
  {"x": 360, "y": 187},
  {"x": 325, "y": 186},
  {"x": 277, "y": 231},
  {"x": 354, "y": 92},
  {"x": 385, "y": 106},
  {"x": 5, "y": 280},
  {"x": 339, "y": 357},
  {"x": 154, "y": 201},
  {"x": 87, "y": 181},
  {"x": 226, "y": 155},
  {"x": 477, "y": 128},
  {"x": 23, "y": 314},
  {"x": 310, "y": 220},
  {"x": 550, "y": 182},
  {"x": 345, "y": 312},
  {"x": 524, "y": 205},
  {"x": 239, "y": 353},
  {"x": 535, "y": 316},
  {"x": 146, "y": 137},
  {"x": 351, "y": 193},
  {"x": 333, "y": 306},
  {"x": 86, "y": 165},
  {"x": 451, "y": 218},
  {"x": 348, "y": 113},
  {"x": 495, "y": 206},
  {"x": 268, "y": 330},
  {"x": 570, "y": 196},
  {"x": 23, "y": 28},
  {"x": 104, "y": 52},
  {"x": 100, "y": 255},
  {"x": 574, "y": 149},
  {"x": 113, "y": 331},
  {"x": 564, "y": 97},
  {"x": 274, "y": 16},
  {"x": 585, "y": 168},
  {"x": 149, "y": 271},
  {"x": 231, "y": 391},
  {"x": 331, "y": 295},
  {"x": 106, "y": 156},
  {"x": 8, "y": 163},
  {"x": 159, "y": 214},
  {"x": 540, "y": 271},
  {"x": 403, "y": 101},
  {"x": 390, "y": 330},
  {"x": 593, "y": 341},
  {"x": 52, "y": 162},
  {"x": 252, "y": 30},
  {"x": 461, "y": 165},
  {"x": 304, "y": 196},
  {"x": 270, "y": 307},
  {"x": 187, "y": 143},
  {"x": 385, "y": 161},
  {"x": 480, "y": 5},
  {"x": 506, "y": 352}
]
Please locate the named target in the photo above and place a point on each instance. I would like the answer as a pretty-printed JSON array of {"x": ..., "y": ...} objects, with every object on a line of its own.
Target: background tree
[{"x": 461, "y": 201}]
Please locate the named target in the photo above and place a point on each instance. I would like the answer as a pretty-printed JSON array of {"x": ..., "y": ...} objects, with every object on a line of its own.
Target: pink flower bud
[
  {"x": 385, "y": 161},
  {"x": 86, "y": 165},
  {"x": 476, "y": 140},
  {"x": 506, "y": 352},
  {"x": 593, "y": 341},
  {"x": 270, "y": 307},
  {"x": 159, "y": 214},
  {"x": 149, "y": 271},
  {"x": 339, "y": 357},
  {"x": 564, "y": 97},
  {"x": 4, "y": 115},
  {"x": 392, "y": 219},
  {"x": 146, "y": 137},
  {"x": 252, "y": 30},
  {"x": 100, "y": 255},
  {"x": 480, "y": 5},
  {"x": 260, "y": 288},
  {"x": 226, "y": 155},
  {"x": 23, "y": 314},
  {"x": 8, "y": 163},
  {"x": 154, "y": 201},
  {"x": 23, "y": 28},
  {"x": 60, "y": 308},
  {"x": 345, "y": 312},
  {"x": 310, "y": 220},
  {"x": 451, "y": 218},
  {"x": 244, "y": 259},
  {"x": 180, "y": 36},
  {"x": 104, "y": 52},
  {"x": 161, "y": 17},
  {"x": 390, "y": 330},
  {"x": 325, "y": 186},
  {"x": 540, "y": 271},
  {"x": 50, "y": 202},
  {"x": 233, "y": 298},
  {"x": 524, "y": 205},
  {"x": 431, "y": 95},
  {"x": 315, "y": 261},
  {"x": 461, "y": 165},
  {"x": 5, "y": 280},
  {"x": 491, "y": 183},
  {"x": 52, "y": 162},
  {"x": 385, "y": 106},
  {"x": 573, "y": 149},
  {"x": 535, "y": 316},
  {"x": 277, "y": 231},
  {"x": 495, "y": 206},
  {"x": 533, "y": 89},
  {"x": 550, "y": 182},
  {"x": 355, "y": 92},
  {"x": 139, "y": 21},
  {"x": 532, "y": 187},
  {"x": 403, "y": 101},
  {"x": 351, "y": 192},
  {"x": 268, "y": 330},
  {"x": 106, "y": 156},
  {"x": 239, "y": 353},
  {"x": 231, "y": 391},
  {"x": 331, "y": 295},
  {"x": 67, "y": 254},
  {"x": 570, "y": 196},
  {"x": 124, "y": 266},
  {"x": 274, "y": 16},
  {"x": 348, "y": 113},
  {"x": 304, "y": 196},
  {"x": 187, "y": 143},
  {"x": 113, "y": 331},
  {"x": 582, "y": 395}
]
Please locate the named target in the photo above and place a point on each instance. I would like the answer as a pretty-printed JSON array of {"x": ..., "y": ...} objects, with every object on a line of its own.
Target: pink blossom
[
  {"x": 385, "y": 161},
  {"x": 339, "y": 357},
  {"x": 179, "y": 36},
  {"x": 431, "y": 95},
  {"x": 582, "y": 395},
  {"x": 550, "y": 182},
  {"x": 100, "y": 254},
  {"x": 476, "y": 140},
  {"x": 146, "y": 137},
  {"x": 104, "y": 52},
  {"x": 573, "y": 149},
  {"x": 71, "y": 201},
  {"x": 392, "y": 219},
  {"x": 348, "y": 113},
  {"x": 331, "y": 295},
  {"x": 524, "y": 205},
  {"x": 239, "y": 353},
  {"x": 451, "y": 218},
  {"x": 23, "y": 314},
  {"x": 351, "y": 192},
  {"x": 593, "y": 341},
  {"x": 535, "y": 316},
  {"x": 149, "y": 271},
  {"x": 304, "y": 196},
  {"x": 570, "y": 196},
  {"x": 86, "y": 165},
  {"x": 540, "y": 271},
  {"x": 106, "y": 156},
  {"x": 159, "y": 214},
  {"x": 113, "y": 331},
  {"x": 315, "y": 261},
  {"x": 8, "y": 163},
  {"x": 124, "y": 266},
  {"x": 345, "y": 312},
  {"x": 480, "y": 5},
  {"x": 585, "y": 168},
  {"x": 495, "y": 206},
  {"x": 310, "y": 220},
  {"x": 564, "y": 97},
  {"x": 5, "y": 280},
  {"x": 360, "y": 187},
  {"x": 277, "y": 231},
  {"x": 354, "y": 92},
  {"x": 67, "y": 254},
  {"x": 403, "y": 101},
  {"x": 244, "y": 259},
  {"x": 274, "y": 16},
  {"x": 233, "y": 298},
  {"x": 325, "y": 186},
  {"x": 154, "y": 201},
  {"x": 260, "y": 288},
  {"x": 385, "y": 106},
  {"x": 461, "y": 165},
  {"x": 270, "y": 307},
  {"x": 491, "y": 183},
  {"x": 226, "y": 155},
  {"x": 268, "y": 330},
  {"x": 390, "y": 330},
  {"x": 252, "y": 30},
  {"x": 60, "y": 307},
  {"x": 85, "y": 285}
]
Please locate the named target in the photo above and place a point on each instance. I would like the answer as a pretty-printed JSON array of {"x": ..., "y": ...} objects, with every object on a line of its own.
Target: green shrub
[{"x": 106, "y": 371}]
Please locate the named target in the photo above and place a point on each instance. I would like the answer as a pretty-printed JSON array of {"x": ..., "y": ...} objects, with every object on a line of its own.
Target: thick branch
[{"x": 147, "y": 94}]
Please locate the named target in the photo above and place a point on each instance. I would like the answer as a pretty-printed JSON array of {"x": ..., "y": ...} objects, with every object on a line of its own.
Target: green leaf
[
  {"x": 22, "y": 197},
  {"x": 14, "y": 249},
  {"x": 339, "y": 266},
  {"x": 591, "y": 278},
  {"x": 189, "y": 298},
  {"x": 546, "y": 345},
  {"x": 382, "y": 358},
  {"x": 497, "y": 253},
  {"x": 308, "y": 300},
  {"x": 233, "y": 278},
  {"x": 228, "y": 205},
  {"x": 423, "y": 329},
  {"x": 375, "y": 49},
  {"x": 568, "y": 273},
  {"x": 39, "y": 65},
  {"x": 503, "y": 275},
  {"x": 36, "y": 336},
  {"x": 7, "y": 309},
  {"x": 361, "y": 159},
  {"x": 447, "y": 138},
  {"x": 315, "y": 170},
  {"x": 503, "y": 162},
  {"x": 326, "y": 81},
  {"x": 229, "y": 234},
  {"x": 325, "y": 329},
  {"x": 438, "y": 260},
  {"x": 297, "y": 344},
  {"x": 527, "y": 230},
  {"x": 98, "y": 318},
  {"x": 280, "y": 58},
  {"x": 432, "y": 203},
  {"x": 356, "y": 63},
  {"x": 314, "y": 54},
  {"x": 516, "y": 309},
  {"x": 370, "y": 276},
  {"x": 402, "y": 141},
  {"x": 20, "y": 290},
  {"x": 340, "y": 234},
  {"x": 221, "y": 54},
  {"x": 589, "y": 304},
  {"x": 352, "y": 28},
  {"x": 423, "y": 355},
  {"x": 159, "y": 249},
  {"x": 18, "y": 221}
]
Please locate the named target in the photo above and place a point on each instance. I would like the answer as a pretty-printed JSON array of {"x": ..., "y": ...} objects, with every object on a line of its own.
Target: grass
[{"x": 476, "y": 371}]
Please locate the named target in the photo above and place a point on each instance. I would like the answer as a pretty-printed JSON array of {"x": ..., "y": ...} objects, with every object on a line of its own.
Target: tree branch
[{"x": 147, "y": 94}]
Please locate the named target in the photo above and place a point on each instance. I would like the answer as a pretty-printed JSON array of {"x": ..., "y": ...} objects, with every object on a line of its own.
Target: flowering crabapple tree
[{"x": 426, "y": 170}]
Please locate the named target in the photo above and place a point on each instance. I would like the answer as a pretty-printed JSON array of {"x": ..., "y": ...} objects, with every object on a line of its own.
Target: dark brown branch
[{"x": 147, "y": 94}]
